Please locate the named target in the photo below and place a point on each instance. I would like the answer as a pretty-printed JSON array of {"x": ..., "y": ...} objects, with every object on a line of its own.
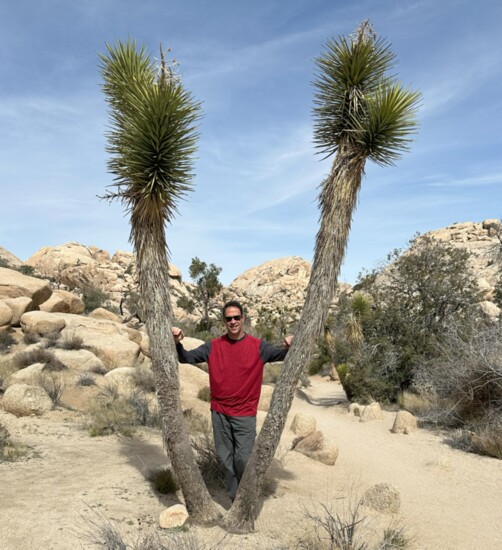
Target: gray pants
[{"x": 234, "y": 439}]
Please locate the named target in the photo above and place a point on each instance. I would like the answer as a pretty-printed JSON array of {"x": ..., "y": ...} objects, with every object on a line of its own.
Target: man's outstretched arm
[{"x": 197, "y": 355}]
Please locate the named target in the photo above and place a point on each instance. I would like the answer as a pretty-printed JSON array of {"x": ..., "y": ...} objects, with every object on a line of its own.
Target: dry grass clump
[
  {"x": 31, "y": 338},
  {"x": 51, "y": 339},
  {"x": 419, "y": 405},
  {"x": 24, "y": 359},
  {"x": 86, "y": 379},
  {"x": 101, "y": 532},
  {"x": 342, "y": 526},
  {"x": 71, "y": 342},
  {"x": 9, "y": 450},
  {"x": 98, "y": 369}
]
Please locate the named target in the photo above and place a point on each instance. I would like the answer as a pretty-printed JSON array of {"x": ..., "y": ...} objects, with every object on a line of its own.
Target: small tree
[
  {"x": 416, "y": 297},
  {"x": 207, "y": 286}
]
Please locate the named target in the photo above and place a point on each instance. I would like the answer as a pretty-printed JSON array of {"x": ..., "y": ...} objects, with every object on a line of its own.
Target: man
[{"x": 235, "y": 363}]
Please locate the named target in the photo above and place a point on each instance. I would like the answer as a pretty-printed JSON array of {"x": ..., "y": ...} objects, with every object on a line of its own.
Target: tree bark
[
  {"x": 337, "y": 202},
  {"x": 154, "y": 289}
]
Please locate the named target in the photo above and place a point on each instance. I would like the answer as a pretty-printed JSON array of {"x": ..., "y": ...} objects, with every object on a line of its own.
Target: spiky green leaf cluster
[
  {"x": 358, "y": 103},
  {"x": 153, "y": 134}
]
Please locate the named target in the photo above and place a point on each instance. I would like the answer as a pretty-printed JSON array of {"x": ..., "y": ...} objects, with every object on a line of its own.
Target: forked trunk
[
  {"x": 153, "y": 284},
  {"x": 337, "y": 200}
]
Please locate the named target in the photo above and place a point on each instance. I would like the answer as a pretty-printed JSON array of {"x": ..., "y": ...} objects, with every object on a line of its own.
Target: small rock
[
  {"x": 372, "y": 411},
  {"x": 174, "y": 516},
  {"x": 405, "y": 423},
  {"x": 303, "y": 424},
  {"x": 355, "y": 409},
  {"x": 25, "y": 400}
]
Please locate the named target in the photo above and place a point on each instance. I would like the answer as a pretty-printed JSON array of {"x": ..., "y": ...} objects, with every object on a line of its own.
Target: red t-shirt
[{"x": 235, "y": 371}]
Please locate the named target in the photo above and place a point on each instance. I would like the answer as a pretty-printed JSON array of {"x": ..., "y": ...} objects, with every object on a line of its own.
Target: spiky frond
[
  {"x": 383, "y": 134},
  {"x": 152, "y": 137},
  {"x": 357, "y": 101}
]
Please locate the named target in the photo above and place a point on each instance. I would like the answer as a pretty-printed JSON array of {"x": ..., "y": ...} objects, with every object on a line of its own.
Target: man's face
[{"x": 234, "y": 321}]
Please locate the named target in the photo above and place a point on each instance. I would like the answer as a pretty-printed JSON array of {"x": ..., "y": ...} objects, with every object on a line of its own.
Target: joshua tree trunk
[
  {"x": 337, "y": 200},
  {"x": 153, "y": 283}
]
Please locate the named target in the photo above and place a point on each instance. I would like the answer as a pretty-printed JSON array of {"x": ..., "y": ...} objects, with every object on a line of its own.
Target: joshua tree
[
  {"x": 361, "y": 113},
  {"x": 152, "y": 140}
]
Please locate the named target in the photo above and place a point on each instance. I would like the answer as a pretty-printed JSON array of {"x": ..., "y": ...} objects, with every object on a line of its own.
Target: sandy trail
[{"x": 450, "y": 500}]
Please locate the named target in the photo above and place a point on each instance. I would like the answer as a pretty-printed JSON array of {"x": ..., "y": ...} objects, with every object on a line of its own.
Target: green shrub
[
  {"x": 186, "y": 303},
  {"x": 204, "y": 394},
  {"x": 4, "y": 263},
  {"x": 26, "y": 270},
  {"x": 93, "y": 298},
  {"x": 163, "y": 481}
]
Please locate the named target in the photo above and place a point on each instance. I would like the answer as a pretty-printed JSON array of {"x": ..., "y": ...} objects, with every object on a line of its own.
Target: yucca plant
[
  {"x": 152, "y": 140},
  {"x": 360, "y": 113}
]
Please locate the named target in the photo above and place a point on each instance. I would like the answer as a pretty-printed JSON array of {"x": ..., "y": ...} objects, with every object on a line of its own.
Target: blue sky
[{"x": 257, "y": 171}]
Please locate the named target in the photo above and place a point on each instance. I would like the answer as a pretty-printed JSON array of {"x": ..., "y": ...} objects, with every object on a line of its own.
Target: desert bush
[
  {"x": 6, "y": 341},
  {"x": 271, "y": 372},
  {"x": 51, "y": 339},
  {"x": 31, "y": 338},
  {"x": 54, "y": 386},
  {"x": 5, "y": 263},
  {"x": 93, "y": 298},
  {"x": 204, "y": 394},
  {"x": 196, "y": 422},
  {"x": 186, "y": 303},
  {"x": 414, "y": 298},
  {"x": 143, "y": 379},
  {"x": 54, "y": 365},
  {"x": 164, "y": 481},
  {"x": 86, "y": 379}
]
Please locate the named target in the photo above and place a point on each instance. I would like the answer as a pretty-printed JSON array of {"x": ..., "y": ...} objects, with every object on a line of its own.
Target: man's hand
[
  {"x": 288, "y": 340},
  {"x": 177, "y": 334}
]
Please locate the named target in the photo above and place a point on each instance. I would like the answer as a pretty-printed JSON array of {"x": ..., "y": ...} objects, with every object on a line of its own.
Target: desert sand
[{"x": 450, "y": 500}]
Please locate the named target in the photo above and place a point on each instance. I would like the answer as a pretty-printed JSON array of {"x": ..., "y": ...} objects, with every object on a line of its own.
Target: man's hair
[{"x": 232, "y": 303}]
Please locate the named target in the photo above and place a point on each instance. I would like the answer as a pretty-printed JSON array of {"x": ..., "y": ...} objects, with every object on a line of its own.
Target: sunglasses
[{"x": 233, "y": 317}]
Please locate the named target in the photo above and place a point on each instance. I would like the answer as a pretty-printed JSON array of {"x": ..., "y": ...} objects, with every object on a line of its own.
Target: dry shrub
[
  {"x": 7, "y": 367},
  {"x": 271, "y": 372},
  {"x": 53, "y": 384},
  {"x": 51, "y": 339},
  {"x": 6, "y": 341},
  {"x": 145, "y": 415},
  {"x": 143, "y": 379},
  {"x": 38, "y": 355},
  {"x": 201, "y": 437},
  {"x": 101, "y": 532},
  {"x": 419, "y": 405},
  {"x": 110, "y": 413},
  {"x": 71, "y": 341},
  {"x": 204, "y": 394},
  {"x": 164, "y": 481},
  {"x": 98, "y": 369},
  {"x": 9, "y": 450}
]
